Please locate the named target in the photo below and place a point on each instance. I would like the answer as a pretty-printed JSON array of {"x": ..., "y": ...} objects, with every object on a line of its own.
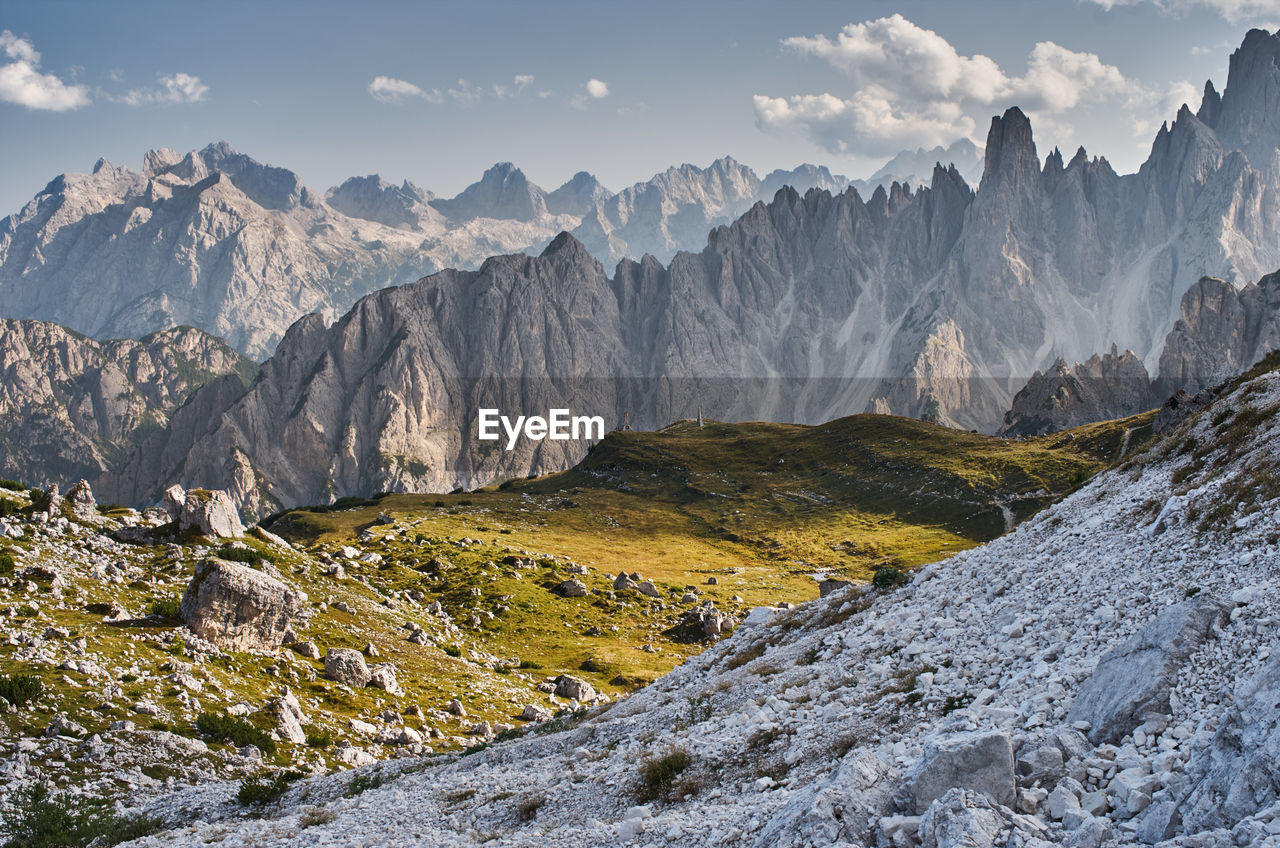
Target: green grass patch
[
  {"x": 658, "y": 774},
  {"x": 235, "y": 731}
]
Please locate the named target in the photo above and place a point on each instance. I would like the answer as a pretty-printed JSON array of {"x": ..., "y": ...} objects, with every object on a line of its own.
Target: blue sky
[{"x": 619, "y": 89}]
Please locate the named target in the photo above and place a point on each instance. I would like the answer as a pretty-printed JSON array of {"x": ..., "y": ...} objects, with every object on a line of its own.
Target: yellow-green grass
[{"x": 760, "y": 507}]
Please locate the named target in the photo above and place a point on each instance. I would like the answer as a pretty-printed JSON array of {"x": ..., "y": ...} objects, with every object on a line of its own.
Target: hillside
[
  {"x": 1104, "y": 675},
  {"x": 72, "y": 407},
  {"x": 708, "y": 522}
]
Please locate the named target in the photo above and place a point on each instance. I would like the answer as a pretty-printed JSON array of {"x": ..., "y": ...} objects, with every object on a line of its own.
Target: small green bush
[
  {"x": 529, "y": 664},
  {"x": 364, "y": 782},
  {"x": 237, "y": 731},
  {"x": 887, "y": 577},
  {"x": 451, "y": 650},
  {"x": 6, "y": 564},
  {"x": 319, "y": 739},
  {"x": 262, "y": 789},
  {"x": 41, "y": 819},
  {"x": 657, "y": 774},
  {"x": 166, "y": 608},
  {"x": 20, "y": 689},
  {"x": 8, "y": 506}
]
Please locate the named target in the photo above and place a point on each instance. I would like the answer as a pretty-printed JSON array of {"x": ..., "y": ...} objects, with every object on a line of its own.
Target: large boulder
[
  {"x": 80, "y": 499},
  {"x": 1238, "y": 772},
  {"x": 962, "y": 819},
  {"x": 347, "y": 666},
  {"x": 209, "y": 513},
  {"x": 1136, "y": 677},
  {"x": 979, "y": 762},
  {"x": 384, "y": 677},
  {"x": 237, "y": 608},
  {"x": 574, "y": 688}
]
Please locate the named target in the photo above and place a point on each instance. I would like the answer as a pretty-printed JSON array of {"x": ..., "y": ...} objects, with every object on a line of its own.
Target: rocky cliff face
[
  {"x": 1104, "y": 387},
  {"x": 1222, "y": 331},
  {"x": 70, "y": 407}
]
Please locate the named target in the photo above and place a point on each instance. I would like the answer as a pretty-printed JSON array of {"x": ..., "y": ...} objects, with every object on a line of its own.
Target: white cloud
[
  {"x": 21, "y": 81},
  {"x": 1235, "y": 11},
  {"x": 597, "y": 89},
  {"x": 392, "y": 90},
  {"x": 174, "y": 89},
  {"x": 518, "y": 84},
  {"x": 911, "y": 87}
]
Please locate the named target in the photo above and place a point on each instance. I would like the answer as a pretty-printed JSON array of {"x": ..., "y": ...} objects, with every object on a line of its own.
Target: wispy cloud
[
  {"x": 1235, "y": 11},
  {"x": 173, "y": 90},
  {"x": 391, "y": 90},
  {"x": 21, "y": 81}
]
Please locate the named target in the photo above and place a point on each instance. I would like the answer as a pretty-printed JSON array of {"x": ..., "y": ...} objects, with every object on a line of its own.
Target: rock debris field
[{"x": 1104, "y": 675}]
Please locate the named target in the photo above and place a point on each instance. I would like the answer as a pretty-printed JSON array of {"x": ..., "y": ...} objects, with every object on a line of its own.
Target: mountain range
[
  {"x": 937, "y": 302},
  {"x": 219, "y": 241}
]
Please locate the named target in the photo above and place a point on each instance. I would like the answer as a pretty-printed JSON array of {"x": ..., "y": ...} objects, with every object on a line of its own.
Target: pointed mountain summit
[
  {"x": 503, "y": 192},
  {"x": 1248, "y": 119},
  {"x": 372, "y": 198},
  {"x": 578, "y": 196}
]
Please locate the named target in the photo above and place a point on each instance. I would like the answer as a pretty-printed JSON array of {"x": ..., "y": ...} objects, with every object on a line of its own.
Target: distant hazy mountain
[
  {"x": 217, "y": 240},
  {"x": 936, "y": 303},
  {"x": 915, "y": 167}
]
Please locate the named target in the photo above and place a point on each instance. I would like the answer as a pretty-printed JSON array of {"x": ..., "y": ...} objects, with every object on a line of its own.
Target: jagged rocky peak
[
  {"x": 1113, "y": 385},
  {"x": 502, "y": 192},
  {"x": 1210, "y": 105},
  {"x": 578, "y": 196},
  {"x": 158, "y": 160},
  {"x": 1223, "y": 330},
  {"x": 802, "y": 178},
  {"x": 1011, "y": 150},
  {"x": 915, "y": 165},
  {"x": 372, "y": 198},
  {"x": 1249, "y": 116},
  {"x": 269, "y": 186}
]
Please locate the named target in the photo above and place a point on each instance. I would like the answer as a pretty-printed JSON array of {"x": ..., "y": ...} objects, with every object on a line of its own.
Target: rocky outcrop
[
  {"x": 237, "y": 608},
  {"x": 71, "y": 407},
  {"x": 1237, "y": 772},
  {"x": 1104, "y": 387},
  {"x": 1134, "y": 679},
  {"x": 209, "y": 513},
  {"x": 1223, "y": 330},
  {"x": 980, "y": 762},
  {"x": 81, "y": 501}
]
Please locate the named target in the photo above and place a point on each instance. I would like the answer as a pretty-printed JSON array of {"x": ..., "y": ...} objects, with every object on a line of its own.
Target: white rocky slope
[{"x": 955, "y": 710}]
